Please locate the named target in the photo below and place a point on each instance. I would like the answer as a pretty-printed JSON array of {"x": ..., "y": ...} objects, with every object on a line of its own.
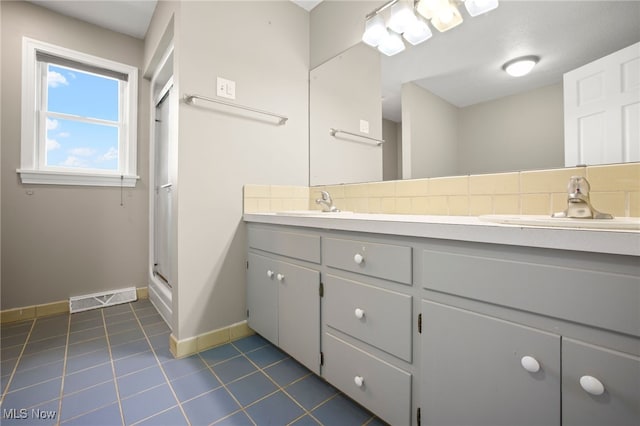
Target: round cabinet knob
[
  {"x": 530, "y": 364},
  {"x": 359, "y": 381},
  {"x": 358, "y": 258},
  {"x": 359, "y": 313},
  {"x": 280, "y": 277},
  {"x": 592, "y": 385},
  {"x": 270, "y": 273}
]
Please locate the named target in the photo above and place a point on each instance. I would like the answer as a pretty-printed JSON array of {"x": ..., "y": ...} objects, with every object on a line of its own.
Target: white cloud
[
  {"x": 52, "y": 124},
  {"x": 72, "y": 161},
  {"x": 55, "y": 79},
  {"x": 82, "y": 152},
  {"x": 52, "y": 144},
  {"x": 64, "y": 134},
  {"x": 111, "y": 154}
]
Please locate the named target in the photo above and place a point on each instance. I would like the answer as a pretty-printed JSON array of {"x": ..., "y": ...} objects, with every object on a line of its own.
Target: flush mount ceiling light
[
  {"x": 520, "y": 66},
  {"x": 405, "y": 17}
]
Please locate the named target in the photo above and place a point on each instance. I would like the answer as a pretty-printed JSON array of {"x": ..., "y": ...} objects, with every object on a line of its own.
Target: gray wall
[
  {"x": 344, "y": 91},
  {"x": 66, "y": 240},
  {"x": 220, "y": 151},
  {"x": 391, "y": 153},
  {"x": 519, "y": 132},
  {"x": 429, "y": 134}
]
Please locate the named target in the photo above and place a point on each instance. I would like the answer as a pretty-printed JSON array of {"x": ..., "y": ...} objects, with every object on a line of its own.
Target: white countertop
[{"x": 463, "y": 228}]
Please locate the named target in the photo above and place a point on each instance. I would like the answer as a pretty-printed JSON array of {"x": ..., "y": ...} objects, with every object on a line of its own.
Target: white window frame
[{"x": 33, "y": 169}]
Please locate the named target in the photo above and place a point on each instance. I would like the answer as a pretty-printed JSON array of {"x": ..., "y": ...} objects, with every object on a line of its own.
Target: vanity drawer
[
  {"x": 385, "y": 389},
  {"x": 379, "y": 317},
  {"x": 291, "y": 244},
  {"x": 535, "y": 281},
  {"x": 386, "y": 261}
]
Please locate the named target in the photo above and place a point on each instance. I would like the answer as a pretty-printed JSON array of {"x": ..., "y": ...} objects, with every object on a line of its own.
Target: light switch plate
[
  {"x": 364, "y": 126},
  {"x": 226, "y": 88}
]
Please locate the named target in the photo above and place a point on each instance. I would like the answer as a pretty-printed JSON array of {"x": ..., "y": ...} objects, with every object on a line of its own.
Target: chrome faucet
[
  {"x": 326, "y": 202},
  {"x": 578, "y": 203}
]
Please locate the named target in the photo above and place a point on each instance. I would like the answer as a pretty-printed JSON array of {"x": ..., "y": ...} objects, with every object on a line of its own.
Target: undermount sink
[
  {"x": 618, "y": 223},
  {"x": 314, "y": 213}
]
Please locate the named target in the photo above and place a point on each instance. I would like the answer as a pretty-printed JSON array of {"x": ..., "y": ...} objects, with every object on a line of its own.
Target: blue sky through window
[{"x": 80, "y": 144}]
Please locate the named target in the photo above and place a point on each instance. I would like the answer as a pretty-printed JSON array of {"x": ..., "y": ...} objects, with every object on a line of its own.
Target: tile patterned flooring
[{"x": 112, "y": 366}]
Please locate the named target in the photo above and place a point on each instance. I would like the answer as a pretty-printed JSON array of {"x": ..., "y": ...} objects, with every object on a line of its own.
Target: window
[{"x": 78, "y": 118}]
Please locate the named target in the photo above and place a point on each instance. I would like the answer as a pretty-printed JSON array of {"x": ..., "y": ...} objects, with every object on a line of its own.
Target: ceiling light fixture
[
  {"x": 406, "y": 18},
  {"x": 520, "y": 66}
]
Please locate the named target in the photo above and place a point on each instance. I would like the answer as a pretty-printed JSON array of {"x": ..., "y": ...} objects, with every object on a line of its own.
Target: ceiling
[{"x": 464, "y": 64}]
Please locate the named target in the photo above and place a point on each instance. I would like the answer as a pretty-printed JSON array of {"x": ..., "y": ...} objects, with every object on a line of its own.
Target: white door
[
  {"x": 163, "y": 192},
  {"x": 602, "y": 110}
]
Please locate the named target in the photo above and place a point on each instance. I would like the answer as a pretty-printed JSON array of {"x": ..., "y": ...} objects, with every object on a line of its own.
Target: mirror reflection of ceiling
[{"x": 464, "y": 65}]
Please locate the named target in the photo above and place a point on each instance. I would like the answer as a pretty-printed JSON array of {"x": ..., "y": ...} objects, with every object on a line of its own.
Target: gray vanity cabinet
[
  {"x": 619, "y": 375},
  {"x": 283, "y": 300},
  {"x": 472, "y": 372}
]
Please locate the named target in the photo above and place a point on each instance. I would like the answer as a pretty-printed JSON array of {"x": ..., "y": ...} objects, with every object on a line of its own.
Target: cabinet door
[
  {"x": 262, "y": 297},
  {"x": 619, "y": 374},
  {"x": 299, "y": 313},
  {"x": 472, "y": 372}
]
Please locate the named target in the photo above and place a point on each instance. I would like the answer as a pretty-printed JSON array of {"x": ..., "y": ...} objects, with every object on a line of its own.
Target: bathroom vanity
[{"x": 442, "y": 320}]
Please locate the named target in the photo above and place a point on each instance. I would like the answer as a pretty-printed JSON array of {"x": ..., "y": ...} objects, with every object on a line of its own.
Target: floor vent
[{"x": 102, "y": 300}]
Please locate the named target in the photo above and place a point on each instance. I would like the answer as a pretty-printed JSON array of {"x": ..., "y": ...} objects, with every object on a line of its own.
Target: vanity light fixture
[
  {"x": 520, "y": 66},
  {"x": 406, "y": 18}
]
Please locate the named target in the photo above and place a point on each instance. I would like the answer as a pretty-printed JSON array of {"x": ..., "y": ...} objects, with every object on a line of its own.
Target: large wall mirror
[{"x": 446, "y": 105}]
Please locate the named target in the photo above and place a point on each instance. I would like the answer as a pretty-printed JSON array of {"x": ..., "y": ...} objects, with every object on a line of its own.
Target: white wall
[
  {"x": 264, "y": 48},
  {"x": 519, "y": 132},
  {"x": 391, "y": 133},
  {"x": 66, "y": 240},
  {"x": 429, "y": 134}
]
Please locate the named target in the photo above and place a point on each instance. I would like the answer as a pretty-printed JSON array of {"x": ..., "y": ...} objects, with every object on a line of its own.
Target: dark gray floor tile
[
  {"x": 44, "y": 329},
  {"x": 251, "y": 388},
  {"x": 126, "y": 336},
  {"x": 147, "y": 404},
  {"x": 121, "y": 327},
  {"x": 164, "y": 354},
  {"x": 250, "y": 343},
  {"x": 377, "y": 422},
  {"x": 210, "y": 407},
  {"x": 233, "y": 369},
  {"x": 311, "y": 391},
  {"x": 34, "y": 395},
  {"x": 90, "y": 377},
  {"x": 151, "y": 319},
  {"x": 10, "y": 352},
  {"x": 237, "y": 419},
  {"x": 40, "y": 358},
  {"x": 45, "y": 344},
  {"x": 156, "y": 328},
  {"x": 105, "y": 416},
  {"x": 286, "y": 372},
  {"x": 139, "y": 381},
  {"x": 15, "y": 328},
  {"x": 160, "y": 340},
  {"x": 116, "y": 310},
  {"x": 341, "y": 411},
  {"x": 192, "y": 385},
  {"x": 119, "y": 318},
  {"x": 89, "y": 334},
  {"x": 219, "y": 354},
  {"x": 86, "y": 325},
  {"x": 277, "y": 409},
  {"x": 4, "y": 381},
  {"x": 6, "y": 366},
  {"x": 145, "y": 311},
  {"x": 128, "y": 349},
  {"x": 88, "y": 360},
  {"x": 181, "y": 367},
  {"x": 36, "y": 375},
  {"x": 87, "y": 346},
  {"x": 134, "y": 363},
  {"x": 266, "y": 355},
  {"x": 305, "y": 421},
  {"x": 18, "y": 339},
  {"x": 86, "y": 315},
  {"x": 88, "y": 400},
  {"x": 171, "y": 417}
]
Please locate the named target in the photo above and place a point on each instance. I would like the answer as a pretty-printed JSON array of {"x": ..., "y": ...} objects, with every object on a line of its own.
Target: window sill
[{"x": 84, "y": 179}]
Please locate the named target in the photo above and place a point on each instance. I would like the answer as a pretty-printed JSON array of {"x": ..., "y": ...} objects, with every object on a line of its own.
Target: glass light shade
[
  {"x": 402, "y": 17},
  {"x": 428, "y": 8},
  {"x": 374, "y": 31},
  {"x": 418, "y": 32},
  {"x": 520, "y": 66},
  {"x": 446, "y": 18},
  {"x": 391, "y": 45},
  {"x": 478, "y": 7}
]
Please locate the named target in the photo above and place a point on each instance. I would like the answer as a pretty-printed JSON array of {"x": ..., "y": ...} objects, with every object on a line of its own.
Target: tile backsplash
[{"x": 615, "y": 189}]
